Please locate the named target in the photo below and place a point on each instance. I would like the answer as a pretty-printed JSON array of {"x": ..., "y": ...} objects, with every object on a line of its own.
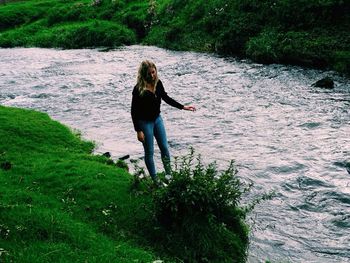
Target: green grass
[
  {"x": 86, "y": 34},
  {"x": 311, "y": 33},
  {"x": 59, "y": 203}
]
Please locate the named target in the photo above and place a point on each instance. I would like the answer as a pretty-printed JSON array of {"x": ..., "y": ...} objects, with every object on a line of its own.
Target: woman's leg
[
  {"x": 148, "y": 146},
  {"x": 160, "y": 134}
]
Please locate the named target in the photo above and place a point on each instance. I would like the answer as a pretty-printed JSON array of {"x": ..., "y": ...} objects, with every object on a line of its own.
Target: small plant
[{"x": 199, "y": 210}]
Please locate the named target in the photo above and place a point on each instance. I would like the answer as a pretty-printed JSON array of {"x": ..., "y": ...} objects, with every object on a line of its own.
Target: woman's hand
[
  {"x": 140, "y": 136},
  {"x": 190, "y": 108}
]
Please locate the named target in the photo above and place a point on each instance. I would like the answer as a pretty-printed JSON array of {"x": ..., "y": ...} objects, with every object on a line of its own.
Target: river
[{"x": 285, "y": 135}]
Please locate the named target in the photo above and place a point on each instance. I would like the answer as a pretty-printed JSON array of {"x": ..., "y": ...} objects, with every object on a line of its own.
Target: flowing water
[{"x": 285, "y": 135}]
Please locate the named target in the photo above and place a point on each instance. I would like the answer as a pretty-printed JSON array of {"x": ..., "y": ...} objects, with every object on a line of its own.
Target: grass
[
  {"x": 61, "y": 204},
  {"x": 311, "y": 33}
]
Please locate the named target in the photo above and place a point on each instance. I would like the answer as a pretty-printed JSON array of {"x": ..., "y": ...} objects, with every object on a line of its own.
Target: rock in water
[
  {"x": 124, "y": 157},
  {"x": 326, "y": 83}
]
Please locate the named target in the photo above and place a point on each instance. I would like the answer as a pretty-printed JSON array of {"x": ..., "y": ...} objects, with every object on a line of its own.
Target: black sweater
[{"x": 147, "y": 106}]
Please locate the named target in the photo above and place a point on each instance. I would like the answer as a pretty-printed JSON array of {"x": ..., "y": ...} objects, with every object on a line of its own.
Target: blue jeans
[{"x": 150, "y": 130}]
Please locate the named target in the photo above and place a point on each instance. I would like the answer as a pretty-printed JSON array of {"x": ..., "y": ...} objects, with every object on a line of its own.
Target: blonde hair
[{"x": 143, "y": 76}]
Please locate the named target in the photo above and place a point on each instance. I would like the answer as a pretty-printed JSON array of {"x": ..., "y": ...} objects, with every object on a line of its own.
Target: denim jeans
[{"x": 151, "y": 130}]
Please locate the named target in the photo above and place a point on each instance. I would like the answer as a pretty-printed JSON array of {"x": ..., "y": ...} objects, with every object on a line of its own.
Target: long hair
[{"x": 143, "y": 76}]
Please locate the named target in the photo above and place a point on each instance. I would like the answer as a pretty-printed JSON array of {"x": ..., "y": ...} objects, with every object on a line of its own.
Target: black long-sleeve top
[{"x": 147, "y": 106}]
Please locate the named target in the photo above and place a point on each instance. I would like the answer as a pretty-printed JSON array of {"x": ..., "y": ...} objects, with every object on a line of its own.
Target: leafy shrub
[{"x": 199, "y": 212}]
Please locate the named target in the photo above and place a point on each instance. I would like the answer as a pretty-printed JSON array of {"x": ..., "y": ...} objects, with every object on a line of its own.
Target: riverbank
[
  {"x": 284, "y": 134},
  {"x": 59, "y": 203},
  {"x": 308, "y": 33}
]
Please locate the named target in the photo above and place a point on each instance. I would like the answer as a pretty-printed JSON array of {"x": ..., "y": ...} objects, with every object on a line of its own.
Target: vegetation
[
  {"x": 199, "y": 212},
  {"x": 59, "y": 203},
  {"x": 304, "y": 32}
]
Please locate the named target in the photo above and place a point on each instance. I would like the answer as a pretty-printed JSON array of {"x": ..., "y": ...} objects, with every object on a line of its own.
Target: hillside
[{"x": 311, "y": 33}]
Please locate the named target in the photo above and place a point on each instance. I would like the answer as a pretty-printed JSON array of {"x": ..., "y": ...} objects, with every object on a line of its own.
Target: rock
[
  {"x": 107, "y": 154},
  {"x": 326, "y": 83},
  {"x": 124, "y": 157}
]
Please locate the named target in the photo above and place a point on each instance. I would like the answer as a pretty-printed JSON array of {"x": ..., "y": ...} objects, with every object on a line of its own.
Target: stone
[
  {"x": 124, "y": 157},
  {"x": 326, "y": 83}
]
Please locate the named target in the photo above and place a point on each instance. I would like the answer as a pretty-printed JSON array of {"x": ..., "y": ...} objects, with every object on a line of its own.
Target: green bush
[{"x": 199, "y": 210}]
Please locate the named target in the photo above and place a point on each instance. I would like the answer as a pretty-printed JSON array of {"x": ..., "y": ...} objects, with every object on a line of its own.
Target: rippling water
[{"x": 284, "y": 134}]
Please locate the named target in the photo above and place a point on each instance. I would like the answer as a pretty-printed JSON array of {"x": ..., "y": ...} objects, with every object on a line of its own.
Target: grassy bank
[
  {"x": 304, "y": 32},
  {"x": 59, "y": 203}
]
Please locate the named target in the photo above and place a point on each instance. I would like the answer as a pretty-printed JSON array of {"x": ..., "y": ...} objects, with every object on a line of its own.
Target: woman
[{"x": 145, "y": 112}]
